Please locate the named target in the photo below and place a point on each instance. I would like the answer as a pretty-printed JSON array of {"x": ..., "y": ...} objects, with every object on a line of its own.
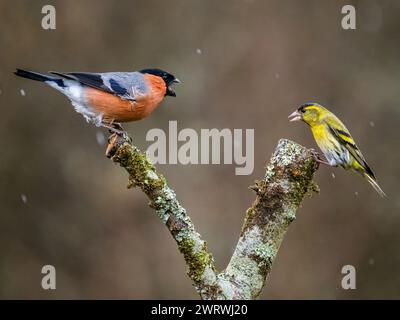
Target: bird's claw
[
  {"x": 315, "y": 153},
  {"x": 115, "y": 128},
  {"x": 116, "y": 140},
  {"x": 317, "y": 157},
  {"x": 123, "y": 134}
]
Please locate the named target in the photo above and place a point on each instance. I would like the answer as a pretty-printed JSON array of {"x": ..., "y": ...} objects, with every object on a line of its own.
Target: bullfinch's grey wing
[{"x": 126, "y": 85}]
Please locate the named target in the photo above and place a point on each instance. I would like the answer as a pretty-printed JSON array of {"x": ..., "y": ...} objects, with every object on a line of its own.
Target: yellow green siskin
[{"x": 335, "y": 141}]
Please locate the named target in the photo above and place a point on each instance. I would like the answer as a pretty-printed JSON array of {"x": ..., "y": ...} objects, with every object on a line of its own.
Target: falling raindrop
[
  {"x": 198, "y": 51},
  {"x": 333, "y": 175},
  {"x": 372, "y": 124},
  {"x": 277, "y": 75},
  {"x": 22, "y": 92},
  {"x": 356, "y": 193}
]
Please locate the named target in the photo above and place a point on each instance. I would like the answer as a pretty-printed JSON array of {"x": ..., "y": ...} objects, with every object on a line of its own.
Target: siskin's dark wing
[{"x": 344, "y": 137}]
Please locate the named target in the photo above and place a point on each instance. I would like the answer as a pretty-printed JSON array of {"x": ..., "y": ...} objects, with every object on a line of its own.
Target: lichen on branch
[
  {"x": 143, "y": 174},
  {"x": 287, "y": 180}
]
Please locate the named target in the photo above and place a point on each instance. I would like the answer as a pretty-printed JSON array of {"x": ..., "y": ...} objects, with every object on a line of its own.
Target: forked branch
[{"x": 288, "y": 178}]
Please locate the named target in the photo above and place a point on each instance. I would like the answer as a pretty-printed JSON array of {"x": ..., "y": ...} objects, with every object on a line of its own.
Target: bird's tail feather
[
  {"x": 372, "y": 181},
  {"x": 33, "y": 75}
]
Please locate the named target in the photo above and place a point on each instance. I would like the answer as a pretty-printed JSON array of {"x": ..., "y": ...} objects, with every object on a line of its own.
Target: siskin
[{"x": 335, "y": 141}]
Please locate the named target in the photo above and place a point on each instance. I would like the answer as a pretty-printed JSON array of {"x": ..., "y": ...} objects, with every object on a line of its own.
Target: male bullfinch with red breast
[{"x": 107, "y": 99}]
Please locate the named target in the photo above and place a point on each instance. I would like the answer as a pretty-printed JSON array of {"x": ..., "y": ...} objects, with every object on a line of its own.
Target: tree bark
[{"x": 288, "y": 178}]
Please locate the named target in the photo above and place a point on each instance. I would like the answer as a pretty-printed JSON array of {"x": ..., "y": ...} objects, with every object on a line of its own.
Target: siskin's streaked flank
[{"x": 335, "y": 141}]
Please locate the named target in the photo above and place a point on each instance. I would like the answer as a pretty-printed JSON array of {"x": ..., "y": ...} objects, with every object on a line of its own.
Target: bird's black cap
[
  {"x": 305, "y": 105},
  {"x": 167, "y": 77}
]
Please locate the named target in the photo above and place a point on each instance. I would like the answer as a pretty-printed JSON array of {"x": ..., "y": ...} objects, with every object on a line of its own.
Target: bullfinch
[{"x": 107, "y": 99}]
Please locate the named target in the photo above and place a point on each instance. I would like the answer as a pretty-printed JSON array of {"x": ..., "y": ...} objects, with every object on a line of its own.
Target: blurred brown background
[{"x": 244, "y": 64}]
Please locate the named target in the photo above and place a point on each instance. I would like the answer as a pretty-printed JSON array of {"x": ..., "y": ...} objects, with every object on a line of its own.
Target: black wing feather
[
  {"x": 116, "y": 87},
  {"x": 93, "y": 80},
  {"x": 352, "y": 148}
]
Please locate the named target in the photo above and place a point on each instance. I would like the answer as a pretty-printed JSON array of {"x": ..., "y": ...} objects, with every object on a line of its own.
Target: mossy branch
[{"x": 287, "y": 179}]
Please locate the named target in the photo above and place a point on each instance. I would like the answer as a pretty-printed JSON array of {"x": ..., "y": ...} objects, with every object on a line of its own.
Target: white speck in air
[
  {"x": 22, "y": 92},
  {"x": 100, "y": 138},
  {"x": 198, "y": 51},
  {"x": 356, "y": 193},
  {"x": 24, "y": 198},
  {"x": 333, "y": 175},
  {"x": 277, "y": 75},
  {"x": 372, "y": 124},
  {"x": 371, "y": 261}
]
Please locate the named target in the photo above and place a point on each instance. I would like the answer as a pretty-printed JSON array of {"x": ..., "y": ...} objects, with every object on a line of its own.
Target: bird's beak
[
  {"x": 295, "y": 116},
  {"x": 170, "y": 91}
]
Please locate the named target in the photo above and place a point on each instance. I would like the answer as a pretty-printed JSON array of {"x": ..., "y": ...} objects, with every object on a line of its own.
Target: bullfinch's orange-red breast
[{"x": 107, "y": 99}]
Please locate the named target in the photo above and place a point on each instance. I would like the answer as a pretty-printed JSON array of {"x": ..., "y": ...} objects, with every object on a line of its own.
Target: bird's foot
[
  {"x": 117, "y": 138},
  {"x": 113, "y": 127},
  {"x": 317, "y": 157},
  {"x": 116, "y": 128}
]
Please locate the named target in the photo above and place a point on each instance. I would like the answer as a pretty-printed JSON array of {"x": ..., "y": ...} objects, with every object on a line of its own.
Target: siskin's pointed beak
[{"x": 295, "y": 116}]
